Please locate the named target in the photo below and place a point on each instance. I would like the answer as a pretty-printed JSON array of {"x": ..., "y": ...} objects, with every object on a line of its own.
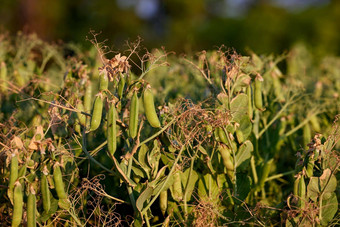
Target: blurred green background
[{"x": 264, "y": 26}]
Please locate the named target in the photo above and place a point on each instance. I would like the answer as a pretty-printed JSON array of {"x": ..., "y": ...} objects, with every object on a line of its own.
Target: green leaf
[
  {"x": 245, "y": 126},
  {"x": 142, "y": 159},
  {"x": 153, "y": 157},
  {"x": 239, "y": 106},
  {"x": 145, "y": 195},
  {"x": 313, "y": 189},
  {"x": 243, "y": 155},
  {"x": 329, "y": 209},
  {"x": 190, "y": 181},
  {"x": 243, "y": 186}
]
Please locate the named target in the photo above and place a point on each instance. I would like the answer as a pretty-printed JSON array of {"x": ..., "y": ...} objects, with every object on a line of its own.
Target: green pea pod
[
  {"x": 258, "y": 92},
  {"x": 239, "y": 136},
  {"x": 222, "y": 136},
  {"x": 307, "y": 135},
  {"x": 265, "y": 172},
  {"x": 58, "y": 181},
  {"x": 121, "y": 85},
  {"x": 111, "y": 129},
  {"x": 97, "y": 112},
  {"x": 3, "y": 76},
  {"x": 250, "y": 103},
  {"x": 133, "y": 121},
  {"x": 302, "y": 192},
  {"x": 104, "y": 82},
  {"x": 149, "y": 107},
  {"x": 226, "y": 157},
  {"x": 296, "y": 186},
  {"x": 31, "y": 209},
  {"x": 81, "y": 117},
  {"x": 14, "y": 173},
  {"x": 177, "y": 186},
  {"x": 163, "y": 201},
  {"x": 45, "y": 192},
  {"x": 18, "y": 204},
  {"x": 310, "y": 167},
  {"x": 88, "y": 97}
]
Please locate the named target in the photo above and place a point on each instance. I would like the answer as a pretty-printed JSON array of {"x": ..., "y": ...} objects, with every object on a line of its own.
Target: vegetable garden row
[{"x": 99, "y": 138}]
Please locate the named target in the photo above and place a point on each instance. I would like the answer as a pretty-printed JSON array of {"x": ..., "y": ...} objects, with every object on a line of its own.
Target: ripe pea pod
[
  {"x": 296, "y": 186},
  {"x": 302, "y": 191},
  {"x": 97, "y": 112},
  {"x": 277, "y": 84},
  {"x": 226, "y": 157},
  {"x": 133, "y": 121},
  {"x": 250, "y": 103},
  {"x": 163, "y": 201},
  {"x": 104, "y": 82},
  {"x": 111, "y": 129},
  {"x": 310, "y": 167},
  {"x": 18, "y": 204},
  {"x": 58, "y": 181},
  {"x": 239, "y": 136},
  {"x": 222, "y": 136},
  {"x": 14, "y": 173},
  {"x": 307, "y": 135},
  {"x": 177, "y": 186},
  {"x": 149, "y": 107},
  {"x": 121, "y": 85},
  {"x": 45, "y": 192},
  {"x": 88, "y": 97},
  {"x": 265, "y": 172},
  {"x": 81, "y": 117},
  {"x": 31, "y": 208},
  {"x": 258, "y": 92}
]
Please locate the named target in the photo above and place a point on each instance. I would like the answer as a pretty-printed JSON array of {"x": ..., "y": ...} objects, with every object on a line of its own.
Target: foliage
[{"x": 232, "y": 139}]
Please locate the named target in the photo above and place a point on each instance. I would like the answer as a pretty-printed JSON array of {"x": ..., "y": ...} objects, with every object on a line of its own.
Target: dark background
[{"x": 264, "y": 26}]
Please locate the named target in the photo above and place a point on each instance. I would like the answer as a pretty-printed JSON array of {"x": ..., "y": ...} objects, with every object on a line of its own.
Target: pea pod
[
  {"x": 97, "y": 112},
  {"x": 111, "y": 129},
  {"x": 239, "y": 136},
  {"x": 121, "y": 85},
  {"x": 45, "y": 192},
  {"x": 18, "y": 204},
  {"x": 14, "y": 173},
  {"x": 265, "y": 172},
  {"x": 149, "y": 107},
  {"x": 163, "y": 201},
  {"x": 258, "y": 92},
  {"x": 88, "y": 101},
  {"x": 226, "y": 157},
  {"x": 88, "y": 97},
  {"x": 177, "y": 186},
  {"x": 222, "y": 136},
  {"x": 296, "y": 186},
  {"x": 104, "y": 82},
  {"x": 250, "y": 103},
  {"x": 58, "y": 181},
  {"x": 31, "y": 209},
  {"x": 302, "y": 191},
  {"x": 133, "y": 121},
  {"x": 81, "y": 117}
]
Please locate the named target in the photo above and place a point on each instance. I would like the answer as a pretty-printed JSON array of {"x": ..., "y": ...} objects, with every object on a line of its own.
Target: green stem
[
  {"x": 165, "y": 182},
  {"x": 279, "y": 175},
  {"x": 253, "y": 169},
  {"x": 90, "y": 157}
]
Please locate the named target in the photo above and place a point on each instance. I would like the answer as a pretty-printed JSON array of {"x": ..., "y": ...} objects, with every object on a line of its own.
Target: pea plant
[{"x": 151, "y": 139}]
